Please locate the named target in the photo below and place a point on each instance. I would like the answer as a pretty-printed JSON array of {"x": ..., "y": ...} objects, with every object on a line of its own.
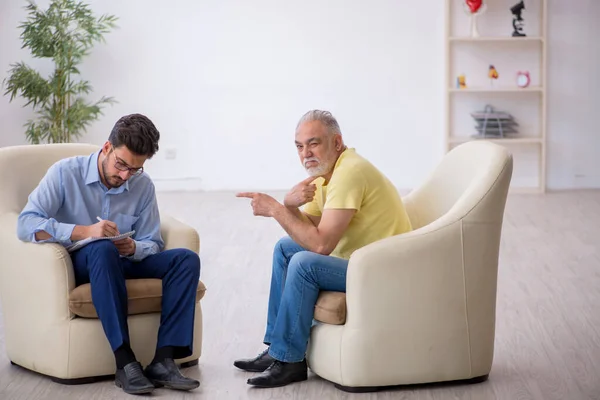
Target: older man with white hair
[{"x": 348, "y": 203}]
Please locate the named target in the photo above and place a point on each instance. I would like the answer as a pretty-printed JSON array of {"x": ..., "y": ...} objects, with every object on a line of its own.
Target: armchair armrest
[
  {"x": 407, "y": 281},
  {"x": 176, "y": 234},
  {"x": 35, "y": 278}
]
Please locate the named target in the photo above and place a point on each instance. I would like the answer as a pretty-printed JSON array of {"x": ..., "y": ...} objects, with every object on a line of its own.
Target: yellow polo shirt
[{"x": 357, "y": 184}]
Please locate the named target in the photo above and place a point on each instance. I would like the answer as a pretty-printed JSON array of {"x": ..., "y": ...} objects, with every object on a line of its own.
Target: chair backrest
[
  {"x": 22, "y": 168},
  {"x": 466, "y": 195},
  {"x": 471, "y": 181}
]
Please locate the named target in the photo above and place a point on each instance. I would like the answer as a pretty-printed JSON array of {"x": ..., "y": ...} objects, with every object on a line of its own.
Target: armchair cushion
[
  {"x": 331, "y": 308},
  {"x": 144, "y": 296}
]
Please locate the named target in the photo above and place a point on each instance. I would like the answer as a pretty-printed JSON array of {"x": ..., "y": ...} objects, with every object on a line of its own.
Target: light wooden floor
[{"x": 548, "y": 316}]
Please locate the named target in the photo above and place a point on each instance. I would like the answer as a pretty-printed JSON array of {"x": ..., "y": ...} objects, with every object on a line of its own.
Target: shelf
[
  {"x": 522, "y": 140},
  {"x": 507, "y": 39},
  {"x": 471, "y": 56},
  {"x": 498, "y": 90},
  {"x": 525, "y": 190}
]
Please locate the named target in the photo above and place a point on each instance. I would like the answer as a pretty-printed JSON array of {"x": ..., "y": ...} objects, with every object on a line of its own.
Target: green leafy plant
[{"x": 64, "y": 32}]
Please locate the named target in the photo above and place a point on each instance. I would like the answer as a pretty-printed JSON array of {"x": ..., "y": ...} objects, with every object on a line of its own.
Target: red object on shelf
[{"x": 474, "y": 5}]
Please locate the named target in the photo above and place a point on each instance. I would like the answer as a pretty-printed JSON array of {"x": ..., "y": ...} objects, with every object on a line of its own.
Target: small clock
[{"x": 523, "y": 79}]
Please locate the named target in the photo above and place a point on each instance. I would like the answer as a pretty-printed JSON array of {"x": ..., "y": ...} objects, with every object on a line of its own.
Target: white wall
[
  {"x": 225, "y": 82},
  {"x": 574, "y": 101}
]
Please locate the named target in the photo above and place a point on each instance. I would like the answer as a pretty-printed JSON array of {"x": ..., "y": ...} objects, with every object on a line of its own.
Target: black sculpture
[{"x": 517, "y": 20}]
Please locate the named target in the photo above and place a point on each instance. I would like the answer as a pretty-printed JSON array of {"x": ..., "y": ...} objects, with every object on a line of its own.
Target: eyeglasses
[{"x": 122, "y": 167}]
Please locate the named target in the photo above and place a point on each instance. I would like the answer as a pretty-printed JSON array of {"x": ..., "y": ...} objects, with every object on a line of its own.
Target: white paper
[{"x": 81, "y": 243}]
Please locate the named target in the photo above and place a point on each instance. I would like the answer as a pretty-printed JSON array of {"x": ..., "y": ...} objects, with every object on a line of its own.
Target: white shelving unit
[{"x": 496, "y": 46}]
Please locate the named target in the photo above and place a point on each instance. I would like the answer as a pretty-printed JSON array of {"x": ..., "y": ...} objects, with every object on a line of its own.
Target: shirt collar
[
  {"x": 92, "y": 175},
  {"x": 341, "y": 157}
]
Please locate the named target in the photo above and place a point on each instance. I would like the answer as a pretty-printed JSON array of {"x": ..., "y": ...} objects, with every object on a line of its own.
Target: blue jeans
[
  {"x": 298, "y": 276},
  {"x": 99, "y": 264}
]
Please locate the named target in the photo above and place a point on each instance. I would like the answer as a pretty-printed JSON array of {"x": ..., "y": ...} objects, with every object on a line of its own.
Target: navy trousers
[{"x": 99, "y": 264}]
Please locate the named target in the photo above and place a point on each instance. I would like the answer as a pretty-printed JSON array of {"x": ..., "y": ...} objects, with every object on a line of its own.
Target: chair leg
[
  {"x": 189, "y": 364},
  {"x": 359, "y": 389},
  {"x": 370, "y": 389},
  {"x": 82, "y": 381}
]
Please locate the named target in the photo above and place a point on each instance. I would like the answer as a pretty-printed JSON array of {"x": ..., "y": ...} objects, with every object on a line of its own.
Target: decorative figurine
[
  {"x": 492, "y": 74},
  {"x": 523, "y": 79},
  {"x": 461, "y": 82},
  {"x": 473, "y": 8},
  {"x": 517, "y": 20}
]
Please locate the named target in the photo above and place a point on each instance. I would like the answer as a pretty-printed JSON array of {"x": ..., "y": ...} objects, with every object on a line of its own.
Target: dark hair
[{"x": 137, "y": 133}]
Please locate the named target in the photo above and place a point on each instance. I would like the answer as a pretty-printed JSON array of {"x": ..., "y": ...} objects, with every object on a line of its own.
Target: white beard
[{"x": 322, "y": 168}]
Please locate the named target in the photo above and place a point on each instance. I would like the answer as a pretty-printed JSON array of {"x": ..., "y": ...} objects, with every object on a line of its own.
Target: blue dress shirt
[{"x": 71, "y": 193}]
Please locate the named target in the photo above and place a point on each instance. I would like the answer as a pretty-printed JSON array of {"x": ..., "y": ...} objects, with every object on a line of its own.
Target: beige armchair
[
  {"x": 50, "y": 326},
  {"x": 420, "y": 307}
]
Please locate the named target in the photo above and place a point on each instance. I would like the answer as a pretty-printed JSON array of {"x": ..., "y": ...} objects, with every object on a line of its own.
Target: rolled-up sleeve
[{"x": 45, "y": 200}]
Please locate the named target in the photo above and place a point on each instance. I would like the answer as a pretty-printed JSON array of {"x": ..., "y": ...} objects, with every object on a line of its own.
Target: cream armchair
[
  {"x": 50, "y": 326},
  {"x": 420, "y": 307}
]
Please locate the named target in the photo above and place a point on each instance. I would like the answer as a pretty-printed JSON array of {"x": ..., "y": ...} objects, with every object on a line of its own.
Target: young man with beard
[
  {"x": 103, "y": 194},
  {"x": 348, "y": 204}
]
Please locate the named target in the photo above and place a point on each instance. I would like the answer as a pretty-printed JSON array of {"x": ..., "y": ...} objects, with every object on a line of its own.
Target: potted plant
[{"x": 64, "y": 32}]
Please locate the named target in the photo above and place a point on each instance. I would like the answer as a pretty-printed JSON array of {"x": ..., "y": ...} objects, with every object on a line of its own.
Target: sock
[
  {"x": 124, "y": 355},
  {"x": 163, "y": 353}
]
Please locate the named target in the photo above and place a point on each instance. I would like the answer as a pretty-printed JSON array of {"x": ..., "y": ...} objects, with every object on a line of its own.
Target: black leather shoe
[
  {"x": 167, "y": 374},
  {"x": 256, "y": 364},
  {"x": 132, "y": 380},
  {"x": 281, "y": 374}
]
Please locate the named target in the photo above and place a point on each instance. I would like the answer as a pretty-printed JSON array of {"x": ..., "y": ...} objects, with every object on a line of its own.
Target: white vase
[
  {"x": 474, "y": 31},
  {"x": 473, "y": 16}
]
